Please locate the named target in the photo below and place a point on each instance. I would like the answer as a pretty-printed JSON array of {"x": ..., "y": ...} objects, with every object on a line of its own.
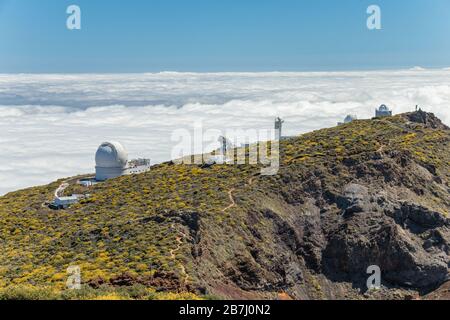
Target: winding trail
[
  {"x": 230, "y": 195},
  {"x": 178, "y": 248},
  {"x": 179, "y": 239},
  {"x": 232, "y": 202}
]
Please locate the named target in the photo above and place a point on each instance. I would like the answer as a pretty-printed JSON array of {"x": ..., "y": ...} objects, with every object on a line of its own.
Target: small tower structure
[
  {"x": 223, "y": 145},
  {"x": 278, "y": 128}
]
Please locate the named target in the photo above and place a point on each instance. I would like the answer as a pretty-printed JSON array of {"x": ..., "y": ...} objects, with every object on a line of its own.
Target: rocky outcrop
[
  {"x": 373, "y": 238},
  {"x": 371, "y": 210},
  {"x": 427, "y": 119},
  {"x": 355, "y": 200}
]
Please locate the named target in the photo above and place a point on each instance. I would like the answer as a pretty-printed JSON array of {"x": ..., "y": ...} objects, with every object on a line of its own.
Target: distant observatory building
[
  {"x": 278, "y": 129},
  {"x": 226, "y": 149},
  {"x": 111, "y": 161},
  {"x": 225, "y": 145},
  {"x": 348, "y": 119},
  {"x": 383, "y": 111}
]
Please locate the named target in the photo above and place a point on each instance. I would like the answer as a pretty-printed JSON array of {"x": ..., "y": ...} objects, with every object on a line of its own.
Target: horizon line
[{"x": 409, "y": 68}]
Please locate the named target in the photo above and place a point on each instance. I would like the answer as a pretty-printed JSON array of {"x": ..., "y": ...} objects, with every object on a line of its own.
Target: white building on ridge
[
  {"x": 64, "y": 202},
  {"x": 383, "y": 111},
  {"x": 111, "y": 161}
]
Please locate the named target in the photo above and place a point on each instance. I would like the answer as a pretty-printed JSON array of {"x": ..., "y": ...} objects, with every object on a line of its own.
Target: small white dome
[{"x": 111, "y": 155}]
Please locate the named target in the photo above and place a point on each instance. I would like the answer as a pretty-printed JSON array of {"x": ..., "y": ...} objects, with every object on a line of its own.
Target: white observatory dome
[
  {"x": 111, "y": 155},
  {"x": 111, "y": 161},
  {"x": 383, "y": 111},
  {"x": 383, "y": 107}
]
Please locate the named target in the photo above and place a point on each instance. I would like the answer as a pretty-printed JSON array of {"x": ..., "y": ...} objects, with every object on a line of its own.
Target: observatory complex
[
  {"x": 383, "y": 111},
  {"x": 111, "y": 161}
]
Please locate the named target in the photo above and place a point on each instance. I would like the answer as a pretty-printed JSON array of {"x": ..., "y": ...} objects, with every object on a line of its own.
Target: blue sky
[{"x": 222, "y": 35}]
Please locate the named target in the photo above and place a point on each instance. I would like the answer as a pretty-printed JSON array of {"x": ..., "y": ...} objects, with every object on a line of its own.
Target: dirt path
[
  {"x": 230, "y": 195},
  {"x": 178, "y": 248},
  {"x": 179, "y": 239},
  {"x": 232, "y": 202}
]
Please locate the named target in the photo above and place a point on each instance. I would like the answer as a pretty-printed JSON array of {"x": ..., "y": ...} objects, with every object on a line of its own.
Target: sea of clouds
[{"x": 51, "y": 125}]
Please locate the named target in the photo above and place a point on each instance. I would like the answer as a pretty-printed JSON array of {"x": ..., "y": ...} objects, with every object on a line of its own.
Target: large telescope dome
[
  {"x": 111, "y": 160},
  {"x": 111, "y": 155}
]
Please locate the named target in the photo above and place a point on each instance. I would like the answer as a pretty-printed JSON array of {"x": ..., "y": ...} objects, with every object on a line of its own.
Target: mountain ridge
[{"x": 372, "y": 192}]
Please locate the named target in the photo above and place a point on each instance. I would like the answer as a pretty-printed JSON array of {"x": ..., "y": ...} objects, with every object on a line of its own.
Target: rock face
[
  {"x": 356, "y": 199},
  {"x": 427, "y": 119},
  {"x": 405, "y": 257},
  {"x": 373, "y": 209}
]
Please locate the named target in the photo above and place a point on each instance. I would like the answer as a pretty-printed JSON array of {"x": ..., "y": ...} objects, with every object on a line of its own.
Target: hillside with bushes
[{"x": 371, "y": 192}]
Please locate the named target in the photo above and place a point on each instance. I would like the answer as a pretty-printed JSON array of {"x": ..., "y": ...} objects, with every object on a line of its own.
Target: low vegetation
[{"x": 133, "y": 237}]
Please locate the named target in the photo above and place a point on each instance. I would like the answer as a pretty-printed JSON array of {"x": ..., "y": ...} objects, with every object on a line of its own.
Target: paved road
[{"x": 60, "y": 190}]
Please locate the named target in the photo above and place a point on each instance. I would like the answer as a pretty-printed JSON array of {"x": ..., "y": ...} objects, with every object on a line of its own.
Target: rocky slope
[{"x": 372, "y": 192}]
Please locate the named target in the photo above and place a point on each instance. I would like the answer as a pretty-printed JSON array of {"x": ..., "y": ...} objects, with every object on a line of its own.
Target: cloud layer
[{"x": 51, "y": 125}]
